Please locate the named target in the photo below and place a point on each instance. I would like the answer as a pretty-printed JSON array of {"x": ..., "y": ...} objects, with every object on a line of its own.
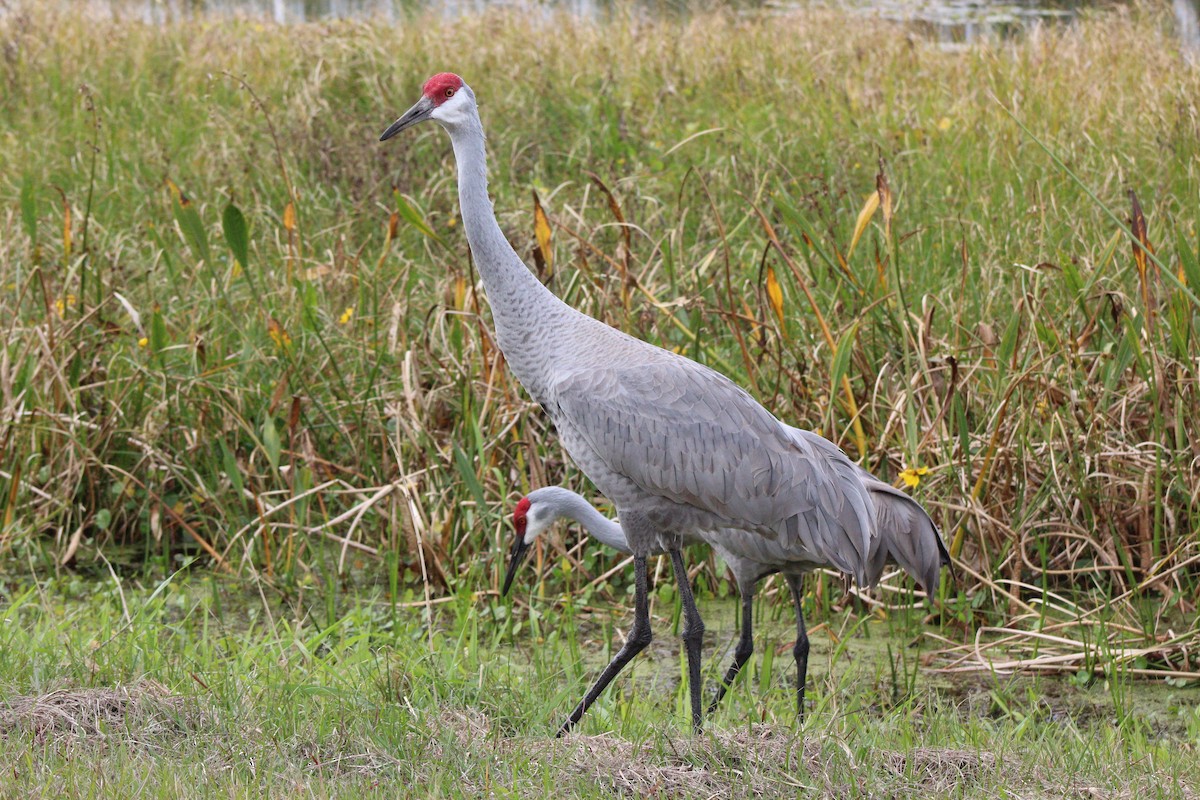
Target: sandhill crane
[
  {"x": 907, "y": 536},
  {"x": 677, "y": 447}
]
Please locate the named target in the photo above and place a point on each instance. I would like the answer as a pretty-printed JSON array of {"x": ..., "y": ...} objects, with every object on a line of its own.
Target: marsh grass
[
  {"x": 237, "y": 329},
  {"x": 265, "y": 701}
]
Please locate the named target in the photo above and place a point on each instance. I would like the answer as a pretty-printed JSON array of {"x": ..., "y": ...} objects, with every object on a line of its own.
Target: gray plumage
[
  {"x": 676, "y": 446},
  {"x": 906, "y": 536}
]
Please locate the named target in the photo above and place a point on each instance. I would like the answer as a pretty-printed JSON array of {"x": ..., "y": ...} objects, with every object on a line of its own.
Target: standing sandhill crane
[
  {"x": 907, "y": 536},
  {"x": 677, "y": 447}
]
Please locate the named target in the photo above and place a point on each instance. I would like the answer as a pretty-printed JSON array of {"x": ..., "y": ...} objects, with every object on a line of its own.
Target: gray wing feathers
[
  {"x": 907, "y": 535},
  {"x": 691, "y": 435}
]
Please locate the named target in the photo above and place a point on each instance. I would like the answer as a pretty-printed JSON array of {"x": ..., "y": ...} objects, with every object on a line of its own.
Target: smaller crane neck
[{"x": 570, "y": 505}]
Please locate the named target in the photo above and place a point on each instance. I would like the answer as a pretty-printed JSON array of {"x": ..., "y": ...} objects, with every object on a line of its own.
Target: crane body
[
  {"x": 906, "y": 536},
  {"x": 676, "y": 446}
]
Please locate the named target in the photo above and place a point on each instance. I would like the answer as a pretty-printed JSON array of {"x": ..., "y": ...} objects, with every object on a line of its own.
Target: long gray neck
[
  {"x": 566, "y": 503},
  {"x": 515, "y": 295}
]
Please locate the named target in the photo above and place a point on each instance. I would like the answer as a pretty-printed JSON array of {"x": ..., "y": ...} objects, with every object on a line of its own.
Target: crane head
[
  {"x": 444, "y": 99},
  {"x": 521, "y": 544}
]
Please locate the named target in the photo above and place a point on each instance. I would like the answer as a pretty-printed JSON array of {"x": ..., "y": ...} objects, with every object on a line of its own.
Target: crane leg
[
  {"x": 743, "y": 651},
  {"x": 693, "y": 634},
  {"x": 639, "y": 636},
  {"x": 800, "y": 651}
]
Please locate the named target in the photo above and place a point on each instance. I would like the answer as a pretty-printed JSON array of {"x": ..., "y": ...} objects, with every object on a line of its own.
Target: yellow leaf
[
  {"x": 460, "y": 292},
  {"x": 885, "y": 198},
  {"x": 66, "y": 229},
  {"x": 278, "y": 334},
  {"x": 289, "y": 217},
  {"x": 775, "y": 294},
  {"x": 11, "y": 506},
  {"x": 864, "y": 218},
  {"x": 63, "y": 303},
  {"x": 541, "y": 229}
]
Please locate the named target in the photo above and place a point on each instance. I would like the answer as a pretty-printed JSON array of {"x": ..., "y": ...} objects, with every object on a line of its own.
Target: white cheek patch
[
  {"x": 530, "y": 535},
  {"x": 451, "y": 111}
]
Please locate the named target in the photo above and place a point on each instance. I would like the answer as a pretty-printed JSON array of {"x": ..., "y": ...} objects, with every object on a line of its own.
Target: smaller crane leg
[
  {"x": 693, "y": 635},
  {"x": 743, "y": 651},
  {"x": 639, "y": 636},
  {"x": 800, "y": 651}
]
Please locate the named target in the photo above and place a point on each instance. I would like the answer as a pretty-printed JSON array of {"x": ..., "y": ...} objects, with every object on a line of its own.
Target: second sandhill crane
[
  {"x": 907, "y": 536},
  {"x": 676, "y": 446}
]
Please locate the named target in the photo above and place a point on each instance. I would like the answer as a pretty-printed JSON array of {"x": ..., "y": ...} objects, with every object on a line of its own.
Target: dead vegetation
[
  {"x": 757, "y": 761},
  {"x": 143, "y": 712}
]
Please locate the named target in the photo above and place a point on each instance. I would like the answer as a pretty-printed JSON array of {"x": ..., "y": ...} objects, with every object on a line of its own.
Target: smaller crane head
[
  {"x": 530, "y": 519},
  {"x": 445, "y": 99}
]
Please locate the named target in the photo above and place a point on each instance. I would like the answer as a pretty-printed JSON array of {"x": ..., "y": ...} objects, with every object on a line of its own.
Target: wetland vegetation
[{"x": 257, "y": 448}]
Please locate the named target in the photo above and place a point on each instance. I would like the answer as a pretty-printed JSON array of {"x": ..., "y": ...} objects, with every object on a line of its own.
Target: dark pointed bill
[
  {"x": 418, "y": 113},
  {"x": 516, "y": 556}
]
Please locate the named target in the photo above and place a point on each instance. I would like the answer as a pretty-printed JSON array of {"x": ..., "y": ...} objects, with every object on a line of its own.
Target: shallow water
[{"x": 951, "y": 22}]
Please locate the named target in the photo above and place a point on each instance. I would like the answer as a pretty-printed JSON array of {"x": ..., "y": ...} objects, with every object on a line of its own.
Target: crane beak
[
  {"x": 420, "y": 112},
  {"x": 515, "y": 557}
]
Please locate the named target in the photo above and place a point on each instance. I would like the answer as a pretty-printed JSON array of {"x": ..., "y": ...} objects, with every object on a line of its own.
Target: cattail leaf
[
  {"x": 414, "y": 218},
  {"x": 1008, "y": 344},
  {"x": 294, "y": 415},
  {"x": 158, "y": 331},
  {"x": 864, "y": 219},
  {"x": 237, "y": 233},
  {"x": 66, "y": 228},
  {"x": 1141, "y": 243},
  {"x": 541, "y": 229},
  {"x": 841, "y": 356},
  {"x": 460, "y": 292},
  {"x": 232, "y": 471},
  {"x": 794, "y": 219},
  {"x": 272, "y": 444},
  {"x": 775, "y": 295},
  {"x": 29, "y": 209},
  {"x": 1189, "y": 263},
  {"x": 626, "y": 233},
  {"x": 278, "y": 334},
  {"x": 10, "y": 505},
  {"x": 191, "y": 224},
  {"x": 467, "y": 471},
  {"x": 1141, "y": 247},
  {"x": 884, "y": 191}
]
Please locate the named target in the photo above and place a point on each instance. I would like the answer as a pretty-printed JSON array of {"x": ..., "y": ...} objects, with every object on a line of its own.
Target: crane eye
[{"x": 449, "y": 93}]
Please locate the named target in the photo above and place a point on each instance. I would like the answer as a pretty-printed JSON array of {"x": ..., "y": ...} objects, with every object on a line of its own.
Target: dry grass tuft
[
  {"x": 641, "y": 770},
  {"x": 934, "y": 769},
  {"x": 758, "y": 761},
  {"x": 139, "y": 712}
]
